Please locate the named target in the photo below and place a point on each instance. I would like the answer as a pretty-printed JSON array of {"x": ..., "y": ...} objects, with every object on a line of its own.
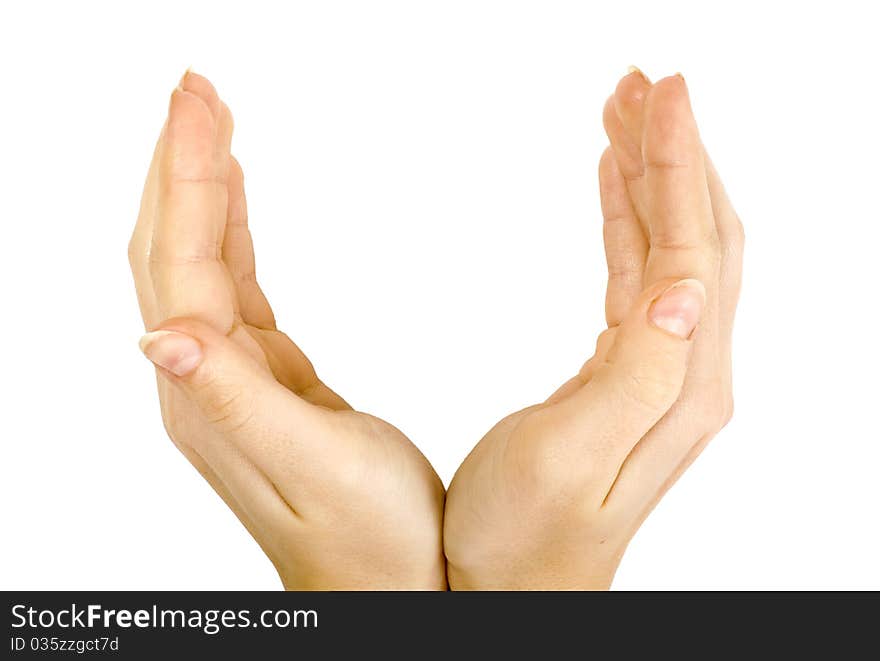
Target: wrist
[{"x": 595, "y": 578}]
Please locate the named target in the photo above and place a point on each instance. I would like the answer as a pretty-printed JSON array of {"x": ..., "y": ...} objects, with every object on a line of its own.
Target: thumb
[
  {"x": 644, "y": 370},
  {"x": 235, "y": 392},
  {"x": 646, "y": 365}
]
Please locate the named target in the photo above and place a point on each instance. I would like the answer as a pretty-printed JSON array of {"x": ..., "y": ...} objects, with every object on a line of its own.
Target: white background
[{"x": 423, "y": 196}]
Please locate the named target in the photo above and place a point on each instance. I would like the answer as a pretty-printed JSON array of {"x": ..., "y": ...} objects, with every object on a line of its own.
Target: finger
[
  {"x": 141, "y": 239},
  {"x": 288, "y": 363},
  {"x": 626, "y": 247},
  {"x": 731, "y": 239},
  {"x": 238, "y": 255},
  {"x": 188, "y": 276},
  {"x": 627, "y": 152},
  {"x": 239, "y": 399},
  {"x": 682, "y": 235},
  {"x": 629, "y": 107},
  {"x": 202, "y": 88},
  {"x": 294, "y": 370},
  {"x": 660, "y": 458},
  {"x": 639, "y": 382},
  {"x": 629, "y": 99},
  {"x": 679, "y": 209}
]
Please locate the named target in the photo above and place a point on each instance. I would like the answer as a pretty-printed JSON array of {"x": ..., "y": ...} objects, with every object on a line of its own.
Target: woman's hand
[
  {"x": 551, "y": 496},
  {"x": 336, "y": 498}
]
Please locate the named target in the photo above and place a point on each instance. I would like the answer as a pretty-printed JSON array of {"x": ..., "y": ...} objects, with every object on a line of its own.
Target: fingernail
[
  {"x": 178, "y": 353},
  {"x": 634, "y": 69},
  {"x": 680, "y": 75},
  {"x": 180, "y": 85},
  {"x": 678, "y": 309}
]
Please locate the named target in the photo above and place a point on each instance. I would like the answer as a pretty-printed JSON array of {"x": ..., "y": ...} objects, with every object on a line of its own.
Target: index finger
[
  {"x": 679, "y": 209},
  {"x": 189, "y": 278}
]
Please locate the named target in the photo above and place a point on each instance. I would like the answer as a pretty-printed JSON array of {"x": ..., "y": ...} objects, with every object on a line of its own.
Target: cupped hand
[
  {"x": 551, "y": 496},
  {"x": 336, "y": 498}
]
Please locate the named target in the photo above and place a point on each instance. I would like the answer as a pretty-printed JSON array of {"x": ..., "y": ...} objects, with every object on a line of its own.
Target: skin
[
  {"x": 337, "y": 499},
  {"x": 551, "y": 496}
]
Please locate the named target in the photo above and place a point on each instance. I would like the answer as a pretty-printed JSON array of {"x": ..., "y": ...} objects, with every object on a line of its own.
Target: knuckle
[
  {"x": 677, "y": 238},
  {"x": 648, "y": 392},
  {"x": 176, "y": 420},
  {"x": 609, "y": 114},
  {"x": 136, "y": 253},
  {"x": 731, "y": 253},
  {"x": 232, "y": 413},
  {"x": 734, "y": 242},
  {"x": 606, "y": 340},
  {"x": 726, "y": 413},
  {"x": 158, "y": 254},
  {"x": 673, "y": 240},
  {"x": 661, "y": 163},
  {"x": 654, "y": 385},
  {"x": 164, "y": 254},
  {"x": 132, "y": 252},
  {"x": 623, "y": 272},
  {"x": 226, "y": 114},
  {"x": 717, "y": 409},
  {"x": 247, "y": 277},
  {"x": 174, "y": 427},
  {"x": 226, "y": 406}
]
